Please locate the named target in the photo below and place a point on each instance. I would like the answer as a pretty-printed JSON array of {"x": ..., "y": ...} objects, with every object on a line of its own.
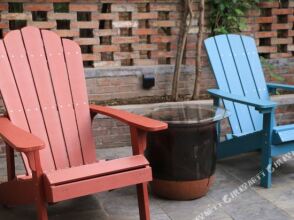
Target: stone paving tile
[
  {"x": 124, "y": 202},
  {"x": 189, "y": 210},
  {"x": 278, "y": 197},
  {"x": 257, "y": 203}
]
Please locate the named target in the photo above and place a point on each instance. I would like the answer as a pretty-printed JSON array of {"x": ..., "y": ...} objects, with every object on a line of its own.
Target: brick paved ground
[{"x": 276, "y": 203}]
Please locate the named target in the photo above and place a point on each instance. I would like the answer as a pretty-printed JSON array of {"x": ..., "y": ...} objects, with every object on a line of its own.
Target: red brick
[
  {"x": 3, "y": 25},
  {"x": 3, "y": 6},
  {"x": 162, "y": 7},
  {"x": 157, "y": 54},
  {"x": 265, "y": 34},
  {"x": 139, "y": 1},
  {"x": 85, "y": 24},
  {"x": 163, "y": 39},
  {"x": 83, "y": 7},
  {"x": 164, "y": 23},
  {"x": 144, "y": 16},
  {"x": 38, "y": 7},
  {"x": 145, "y": 31},
  {"x": 175, "y": 16},
  {"x": 290, "y": 33},
  {"x": 90, "y": 57},
  {"x": 43, "y": 24},
  {"x": 125, "y": 24},
  {"x": 16, "y": 16},
  {"x": 123, "y": 7},
  {"x": 144, "y": 47},
  {"x": 282, "y": 26},
  {"x": 275, "y": 41},
  {"x": 263, "y": 20},
  {"x": 107, "y": 64},
  {"x": 105, "y": 48},
  {"x": 125, "y": 40},
  {"x": 54, "y": 0},
  {"x": 87, "y": 41},
  {"x": 269, "y": 4},
  {"x": 291, "y": 18},
  {"x": 290, "y": 48},
  {"x": 61, "y": 16},
  {"x": 282, "y": 11},
  {"x": 67, "y": 33},
  {"x": 126, "y": 55},
  {"x": 105, "y": 16},
  {"x": 253, "y": 13},
  {"x": 144, "y": 62},
  {"x": 280, "y": 55},
  {"x": 267, "y": 49},
  {"x": 106, "y": 32}
]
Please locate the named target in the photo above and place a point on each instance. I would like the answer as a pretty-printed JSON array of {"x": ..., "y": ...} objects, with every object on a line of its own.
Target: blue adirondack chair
[{"x": 244, "y": 92}]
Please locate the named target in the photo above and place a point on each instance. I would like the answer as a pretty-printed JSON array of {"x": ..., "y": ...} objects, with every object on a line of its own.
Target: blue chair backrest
[{"x": 236, "y": 65}]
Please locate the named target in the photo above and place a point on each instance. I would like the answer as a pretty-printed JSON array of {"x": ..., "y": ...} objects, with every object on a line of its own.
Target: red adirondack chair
[{"x": 49, "y": 122}]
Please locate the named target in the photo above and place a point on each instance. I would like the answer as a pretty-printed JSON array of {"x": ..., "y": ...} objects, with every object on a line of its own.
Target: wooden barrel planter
[{"x": 183, "y": 157}]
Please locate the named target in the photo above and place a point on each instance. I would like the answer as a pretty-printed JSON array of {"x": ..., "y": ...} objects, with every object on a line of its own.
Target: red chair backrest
[{"x": 43, "y": 87}]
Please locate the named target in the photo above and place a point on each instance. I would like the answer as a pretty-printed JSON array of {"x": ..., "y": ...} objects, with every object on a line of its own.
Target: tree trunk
[
  {"x": 184, "y": 29},
  {"x": 198, "y": 67}
]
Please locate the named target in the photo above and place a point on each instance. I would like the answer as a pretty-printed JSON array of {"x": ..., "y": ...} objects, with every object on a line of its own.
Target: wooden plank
[
  {"x": 99, "y": 184},
  {"x": 95, "y": 169},
  {"x": 254, "y": 61},
  {"x": 138, "y": 121},
  {"x": 284, "y": 136},
  {"x": 260, "y": 105},
  {"x": 76, "y": 77},
  {"x": 236, "y": 146},
  {"x": 234, "y": 83},
  {"x": 283, "y": 128},
  {"x": 40, "y": 72},
  {"x": 17, "y": 138},
  {"x": 17, "y": 192},
  {"x": 59, "y": 76},
  {"x": 143, "y": 201},
  {"x": 283, "y": 133},
  {"x": 221, "y": 80},
  {"x": 280, "y": 149},
  {"x": 11, "y": 96},
  {"x": 25, "y": 83},
  {"x": 246, "y": 77}
]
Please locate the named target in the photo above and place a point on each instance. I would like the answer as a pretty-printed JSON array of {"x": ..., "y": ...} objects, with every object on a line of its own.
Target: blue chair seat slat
[
  {"x": 282, "y": 134},
  {"x": 283, "y": 127}
]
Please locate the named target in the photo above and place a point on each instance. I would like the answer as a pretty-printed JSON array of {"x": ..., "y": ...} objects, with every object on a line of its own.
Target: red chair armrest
[
  {"x": 131, "y": 119},
  {"x": 19, "y": 139}
]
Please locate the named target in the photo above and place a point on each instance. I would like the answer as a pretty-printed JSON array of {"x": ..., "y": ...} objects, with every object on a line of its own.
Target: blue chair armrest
[
  {"x": 260, "y": 105},
  {"x": 272, "y": 87}
]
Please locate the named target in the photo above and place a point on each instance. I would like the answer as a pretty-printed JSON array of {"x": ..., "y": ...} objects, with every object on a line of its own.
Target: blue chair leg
[
  {"x": 266, "y": 156},
  {"x": 266, "y": 176}
]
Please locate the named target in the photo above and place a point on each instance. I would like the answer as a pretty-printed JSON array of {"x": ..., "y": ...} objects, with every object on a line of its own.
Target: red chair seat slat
[{"x": 94, "y": 170}]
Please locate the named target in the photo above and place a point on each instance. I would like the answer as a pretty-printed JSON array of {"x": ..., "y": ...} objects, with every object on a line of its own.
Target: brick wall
[
  {"x": 111, "y": 33},
  {"x": 272, "y": 25},
  {"x": 140, "y": 32}
]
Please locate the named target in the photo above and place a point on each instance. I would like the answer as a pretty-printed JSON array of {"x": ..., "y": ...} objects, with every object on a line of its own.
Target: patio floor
[{"x": 255, "y": 203}]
